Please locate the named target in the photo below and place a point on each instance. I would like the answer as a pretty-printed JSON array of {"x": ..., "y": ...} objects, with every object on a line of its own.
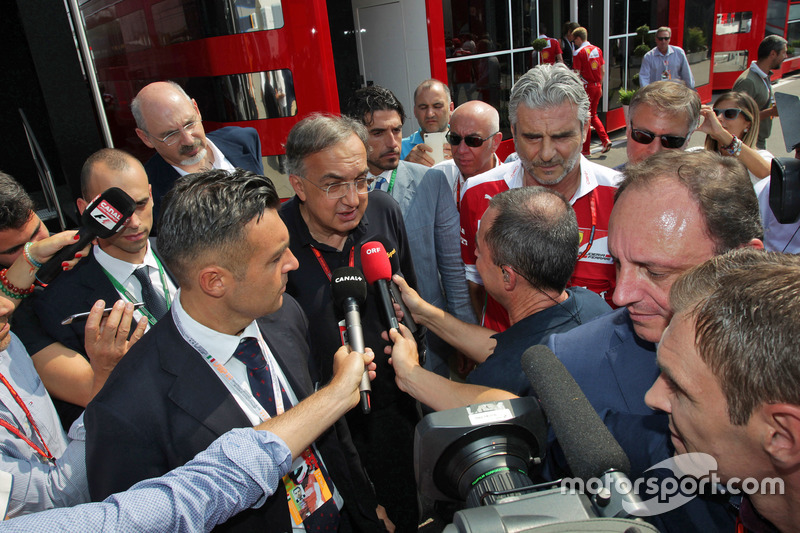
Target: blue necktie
[{"x": 379, "y": 183}]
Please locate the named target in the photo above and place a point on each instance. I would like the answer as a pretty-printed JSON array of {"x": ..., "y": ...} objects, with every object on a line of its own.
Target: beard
[
  {"x": 198, "y": 157},
  {"x": 568, "y": 166}
]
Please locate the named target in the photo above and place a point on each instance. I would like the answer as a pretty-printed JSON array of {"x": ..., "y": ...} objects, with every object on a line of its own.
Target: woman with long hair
[{"x": 731, "y": 128}]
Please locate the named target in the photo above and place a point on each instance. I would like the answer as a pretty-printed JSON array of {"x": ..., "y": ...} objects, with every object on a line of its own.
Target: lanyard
[
  {"x": 236, "y": 390},
  {"x": 44, "y": 453},
  {"x": 122, "y": 290},
  {"x": 391, "y": 183},
  {"x": 324, "y": 264},
  {"x": 593, "y": 208}
]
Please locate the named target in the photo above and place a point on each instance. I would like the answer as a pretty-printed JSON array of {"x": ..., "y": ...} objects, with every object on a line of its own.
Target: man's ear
[
  {"x": 145, "y": 139},
  {"x": 81, "y": 205},
  {"x": 452, "y": 106},
  {"x": 299, "y": 187},
  {"x": 509, "y": 278},
  {"x": 756, "y": 244},
  {"x": 586, "y": 131},
  {"x": 781, "y": 438},
  {"x": 496, "y": 140},
  {"x": 214, "y": 280}
]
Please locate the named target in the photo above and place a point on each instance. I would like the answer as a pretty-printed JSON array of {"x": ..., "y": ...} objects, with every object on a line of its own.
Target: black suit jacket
[
  {"x": 163, "y": 404},
  {"x": 241, "y": 146}
]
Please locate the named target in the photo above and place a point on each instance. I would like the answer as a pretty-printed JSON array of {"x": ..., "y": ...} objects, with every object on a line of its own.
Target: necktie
[
  {"x": 326, "y": 517},
  {"x": 379, "y": 184},
  {"x": 153, "y": 301}
]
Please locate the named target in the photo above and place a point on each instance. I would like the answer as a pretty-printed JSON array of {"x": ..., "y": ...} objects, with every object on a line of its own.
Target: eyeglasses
[
  {"x": 667, "y": 141},
  {"x": 731, "y": 113},
  {"x": 473, "y": 141},
  {"x": 663, "y": 38},
  {"x": 175, "y": 136},
  {"x": 340, "y": 190}
]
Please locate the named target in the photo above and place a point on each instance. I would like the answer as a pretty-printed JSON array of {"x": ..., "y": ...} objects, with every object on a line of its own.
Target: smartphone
[
  {"x": 435, "y": 141},
  {"x": 81, "y": 316}
]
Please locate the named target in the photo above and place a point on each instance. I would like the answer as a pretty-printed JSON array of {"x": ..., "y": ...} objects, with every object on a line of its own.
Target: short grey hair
[
  {"x": 318, "y": 132},
  {"x": 136, "y": 105},
  {"x": 547, "y": 86}
]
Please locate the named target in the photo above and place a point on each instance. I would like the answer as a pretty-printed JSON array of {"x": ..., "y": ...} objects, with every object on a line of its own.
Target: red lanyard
[
  {"x": 46, "y": 453},
  {"x": 593, "y": 208},
  {"x": 324, "y": 265}
]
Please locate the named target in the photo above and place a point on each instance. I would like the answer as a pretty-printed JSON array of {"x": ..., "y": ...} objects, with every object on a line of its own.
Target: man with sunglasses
[
  {"x": 474, "y": 138},
  {"x": 549, "y": 114},
  {"x": 756, "y": 82},
  {"x": 665, "y": 62},
  {"x": 429, "y": 213},
  {"x": 662, "y": 116},
  {"x": 169, "y": 121},
  {"x": 329, "y": 219}
]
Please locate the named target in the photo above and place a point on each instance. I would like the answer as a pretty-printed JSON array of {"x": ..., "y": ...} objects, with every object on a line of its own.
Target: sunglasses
[
  {"x": 663, "y": 38},
  {"x": 667, "y": 141},
  {"x": 473, "y": 141},
  {"x": 731, "y": 113}
]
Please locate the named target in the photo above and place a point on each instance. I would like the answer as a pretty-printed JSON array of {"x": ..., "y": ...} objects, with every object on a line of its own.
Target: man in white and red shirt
[
  {"x": 549, "y": 114},
  {"x": 588, "y": 62},
  {"x": 551, "y": 53}
]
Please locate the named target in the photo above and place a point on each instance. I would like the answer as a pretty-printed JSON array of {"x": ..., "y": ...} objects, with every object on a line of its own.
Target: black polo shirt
[{"x": 384, "y": 438}]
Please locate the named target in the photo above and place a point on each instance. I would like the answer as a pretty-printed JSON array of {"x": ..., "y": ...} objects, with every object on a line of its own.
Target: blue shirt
[
  {"x": 241, "y": 469},
  {"x": 672, "y": 66},
  {"x": 38, "y": 485},
  {"x": 410, "y": 142}
]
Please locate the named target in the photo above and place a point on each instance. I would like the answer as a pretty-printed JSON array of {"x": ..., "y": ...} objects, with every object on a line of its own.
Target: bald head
[
  {"x": 475, "y": 119},
  {"x": 168, "y": 121}
]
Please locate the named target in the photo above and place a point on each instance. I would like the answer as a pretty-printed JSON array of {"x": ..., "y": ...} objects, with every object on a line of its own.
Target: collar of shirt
[
  {"x": 220, "y": 161},
  {"x": 386, "y": 175},
  {"x": 758, "y": 71},
  {"x": 587, "y": 183},
  {"x": 669, "y": 51},
  {"x": 220, "y": 345},
  {"x": 581, "y": 47},
  {"x": 122, "y": 270}
]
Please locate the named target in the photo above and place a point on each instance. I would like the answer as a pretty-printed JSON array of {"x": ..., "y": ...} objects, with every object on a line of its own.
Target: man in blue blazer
[
  {"x": 429, "y": 213},
  {"x": 209, "y": 365},
  {"x": 169, "y": 121},
  {"x": 672, "y": 212}
]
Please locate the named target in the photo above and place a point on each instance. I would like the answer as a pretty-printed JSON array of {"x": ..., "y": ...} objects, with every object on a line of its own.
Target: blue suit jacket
[
  {"x": 241, "y": 146},
  {"x": 613, "y": 366},
  {"x": 163, "y": 404},
  {"x": 433, "y": 228}
]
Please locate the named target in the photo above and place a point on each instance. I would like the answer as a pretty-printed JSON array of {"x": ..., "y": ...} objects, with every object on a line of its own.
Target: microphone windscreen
[
  {"x": 108, "y": 212},
  {"x": 348, "y": 282},
  {"x": 391, "y": 253},
  {"x": 375, "y": 262},
  {"x": 588, "y": 446}
]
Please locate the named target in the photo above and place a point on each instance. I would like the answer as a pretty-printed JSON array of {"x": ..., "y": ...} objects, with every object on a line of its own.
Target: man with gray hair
[
  {"x": 665, "y": 62},
  {"x": 756, "y": 82},
  {"x": 669, "y": 112},
  {"x": 549, "y": 114},
  {"x": 169, "y": 121},
  {"x": 330, "y": 218}
]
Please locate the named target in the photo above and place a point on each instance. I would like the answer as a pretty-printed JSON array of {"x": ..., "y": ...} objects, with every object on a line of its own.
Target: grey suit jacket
[{"x": 433, "y": 228}]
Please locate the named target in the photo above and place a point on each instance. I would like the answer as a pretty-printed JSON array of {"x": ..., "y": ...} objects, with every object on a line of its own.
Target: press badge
[{"x": 306, "y": 489}]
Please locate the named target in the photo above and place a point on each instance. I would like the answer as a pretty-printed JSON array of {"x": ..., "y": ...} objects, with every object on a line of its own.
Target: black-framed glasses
[
  {"x": 667, "y": 141},
  {"x": 473, "y": 141},
  {"x": 175, "y": 136},
  {"x": 663, "y": 38},
  {"x": 732, "y": 113},
  {"x": 340, "y": 190}
]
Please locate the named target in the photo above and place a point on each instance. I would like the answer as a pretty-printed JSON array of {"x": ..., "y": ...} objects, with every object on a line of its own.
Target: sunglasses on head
[
  {"x": 667, "y": 141},
  {"x": 731, "y": 113},
  {"x": 473, "y": 141}
]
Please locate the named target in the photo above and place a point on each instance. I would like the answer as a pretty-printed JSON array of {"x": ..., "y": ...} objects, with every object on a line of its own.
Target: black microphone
[
  {"x": 349, "y": 290},
  {"x": 394, "y": 289},
  {"x": 378, "y": 271},
  {"x": 103, "y": 218},
  {"x": 588, "y": 446},
  {"x": 590, "y": 449}
]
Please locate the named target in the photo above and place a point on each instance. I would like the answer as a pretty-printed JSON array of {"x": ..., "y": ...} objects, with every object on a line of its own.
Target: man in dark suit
[
  {"x": 429, "y": 212},
  {"x": 124, "y": 266},
  {"x": 210, "y": 366},
  {"x": 169, "y": 121}
]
